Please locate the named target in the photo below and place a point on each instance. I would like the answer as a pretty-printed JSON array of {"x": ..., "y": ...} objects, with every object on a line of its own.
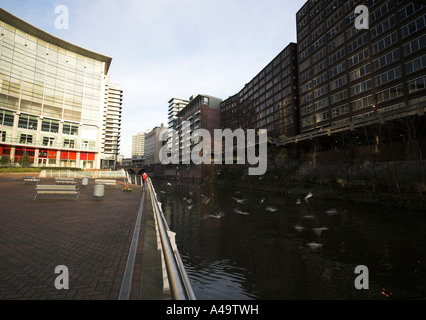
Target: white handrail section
[{"x": 180, "y": 285}]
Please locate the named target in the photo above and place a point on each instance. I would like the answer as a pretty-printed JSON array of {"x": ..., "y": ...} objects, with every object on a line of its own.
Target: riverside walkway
[{"x": 92, "y": 237}]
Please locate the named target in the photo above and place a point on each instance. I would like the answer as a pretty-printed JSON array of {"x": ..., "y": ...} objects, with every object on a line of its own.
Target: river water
[{"x": 244, "y": 244}]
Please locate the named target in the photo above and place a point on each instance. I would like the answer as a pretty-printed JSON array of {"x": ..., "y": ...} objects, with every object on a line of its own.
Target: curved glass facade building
[{"x": 52, "y": 98}]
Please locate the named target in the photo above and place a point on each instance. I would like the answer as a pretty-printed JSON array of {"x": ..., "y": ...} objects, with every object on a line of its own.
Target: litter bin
[
  {"x": 99, "y": 190},
  {"x": 84, "y": 181}
]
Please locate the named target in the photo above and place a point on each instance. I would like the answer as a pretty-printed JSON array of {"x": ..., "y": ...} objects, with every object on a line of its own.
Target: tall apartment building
[
  {"x": 202, "y": 112},
  {"x": 138, "y": 144},
  {"x": 51, "y": 98},
  {"x": 347, "y": 75},
  {"x": 269, "y": 101},
  {"x": 111, "y": 124},
  {"x": 175, "y": 106}
]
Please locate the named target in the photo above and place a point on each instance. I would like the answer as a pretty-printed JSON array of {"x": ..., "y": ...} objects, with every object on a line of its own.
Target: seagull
[
  {"x": 298, "y": 201},
  {"x": 318, "y": 231},
  {"x": 271, "y": 209},
  {"x": 190, "y": 207},
  {"x": 309, "y": 217},
  {"x": 217, "y": 215},
  {"x": 239, "y": 200},
  {"x": 187, "y": 200},
  {"x": 169, "y": 184},
  {"x": 241, "y": 212},
  {"x": 314, "y": 245},
  {"x": 299, "y": 228},
  {"x": 331, "y": 212},
  {"x": 262, "y": 200},
  {"x": 309, "y": 195}
]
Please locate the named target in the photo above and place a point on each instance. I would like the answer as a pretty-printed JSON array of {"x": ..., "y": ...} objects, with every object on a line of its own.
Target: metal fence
[
  {"x": 79, "y": 174},
  {"x": 180, "y": 285},
  {"x": 176, "y": 278}
]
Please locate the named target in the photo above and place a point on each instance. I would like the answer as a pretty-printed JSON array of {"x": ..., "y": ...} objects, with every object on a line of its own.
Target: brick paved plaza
[{"x": 90, "y": 236}]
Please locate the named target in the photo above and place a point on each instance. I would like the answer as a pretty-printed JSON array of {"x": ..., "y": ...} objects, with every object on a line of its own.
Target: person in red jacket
[{"x": 144, "y": 177}]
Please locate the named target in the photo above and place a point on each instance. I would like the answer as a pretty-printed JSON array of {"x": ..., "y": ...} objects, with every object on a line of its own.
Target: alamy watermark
[
  {"x": 362, "y": 20},
  {"x": 201, "y": 142},
  {"x": 362, "y": 281},
  {"x": 62, "y": 281},
  {"x": 62, "y": 20}
]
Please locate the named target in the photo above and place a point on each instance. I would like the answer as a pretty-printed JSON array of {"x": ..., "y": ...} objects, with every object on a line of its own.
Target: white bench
[
  {"x": 107, "y": 182},
  {"x": 30, "y": 179},
  {"x": 64, "y": 180},
  {"x": 57, "y": 189}
]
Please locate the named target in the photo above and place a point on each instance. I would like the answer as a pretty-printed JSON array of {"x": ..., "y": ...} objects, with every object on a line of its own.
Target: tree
[{"x": 4, "y": 161}]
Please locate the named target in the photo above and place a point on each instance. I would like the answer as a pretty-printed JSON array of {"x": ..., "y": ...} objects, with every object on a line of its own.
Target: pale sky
[{"x": 163, "y": 49}]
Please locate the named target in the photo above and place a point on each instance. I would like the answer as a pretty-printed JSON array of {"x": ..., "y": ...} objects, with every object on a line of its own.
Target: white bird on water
[
  {"x": 299, "y": 228},
  {"x": 331, "y": 212},
  {"x": 271, "y": 209},
  {"x": 318, "y": 231},
  {"x": 241, "y": 212},
  {"x": 309, "y": 195},
  {"x": 239, "y": 200},
  {"x": 298, "y": 201},
  {"x": 314, "y": 245},
  {"x": 217, "y": 215}
]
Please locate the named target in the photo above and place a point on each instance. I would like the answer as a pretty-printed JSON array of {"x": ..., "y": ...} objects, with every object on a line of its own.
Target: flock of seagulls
[
  {"x": 318, "y": 231},
  {"x": 304, "y": 225}
]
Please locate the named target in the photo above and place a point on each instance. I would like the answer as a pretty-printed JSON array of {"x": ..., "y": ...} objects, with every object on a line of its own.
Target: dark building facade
[
  {"x": 348, "y": 75},
  {"x": 269, "y": 101}
]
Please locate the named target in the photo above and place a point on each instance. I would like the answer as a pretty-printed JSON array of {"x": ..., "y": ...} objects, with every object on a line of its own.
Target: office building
[
  {"x": 269, "y": 101},
  {"x": 52, "y": 96},
  {"x": 138, "y": 144},
  {"x": 153, "y": 145},
  {"x": 348, "y": 76}
]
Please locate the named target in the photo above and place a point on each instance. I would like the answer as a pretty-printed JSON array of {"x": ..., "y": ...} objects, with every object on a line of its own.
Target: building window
[
  {"x": 417, "y": 84},
  {"x": 415, "y": 45},
  {"x": 414, "y": 26},
  {"x": 27, "y": 122},
  {"x": 361, "y": 103},
  {"x": 48, "y": 141},
  {"x": 360, "y": 72},
  {"x": 416, "y": 64},
  {"x": 26, "y": 138},
  {"x": 388, "y": 76},
  {"x": 387, "y": 59},
  {"x": 339, "y": 111},
  {"x": 70, "y": 129},
  {"x": 68, "y": 143},
  {"x": 6, "y": 118},
  {"x": 391, "y": 93},
  {"x": 48, "y": 125},
  {"x": 385, "y": 42},
  {"x": 3, "y": 136},
  {"x": 360, "y": 87}
]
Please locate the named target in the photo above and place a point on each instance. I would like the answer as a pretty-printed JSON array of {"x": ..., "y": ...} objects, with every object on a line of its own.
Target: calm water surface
[{"x": 242, "y": 244}]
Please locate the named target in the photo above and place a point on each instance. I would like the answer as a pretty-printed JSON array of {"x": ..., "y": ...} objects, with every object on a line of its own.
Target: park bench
[
  {"x": 57, "y": 189},
  {"x": 30, "y": 179},
  {"x": 107, "y": 182},
  {"x": 64, "y": 180}
]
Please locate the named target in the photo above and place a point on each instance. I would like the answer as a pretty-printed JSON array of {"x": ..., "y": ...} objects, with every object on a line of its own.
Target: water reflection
[{"x": 242, "y": 244}]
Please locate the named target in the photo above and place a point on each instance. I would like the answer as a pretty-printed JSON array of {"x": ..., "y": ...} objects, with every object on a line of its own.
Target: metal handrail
[{"x": 180, "y": 285}]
